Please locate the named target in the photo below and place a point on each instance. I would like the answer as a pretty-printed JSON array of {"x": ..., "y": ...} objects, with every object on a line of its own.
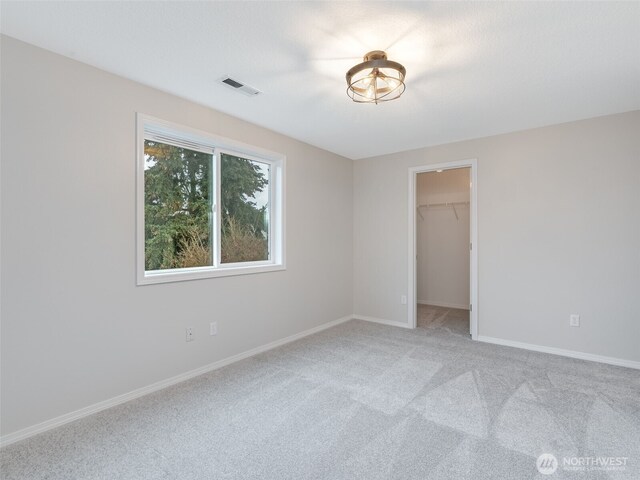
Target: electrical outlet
[
  {"x": 574, "y": 320},
  {"x": 213, "y": 328},
  {"x": 189, "y": 334},
  {"x": 403, "y": 299}
]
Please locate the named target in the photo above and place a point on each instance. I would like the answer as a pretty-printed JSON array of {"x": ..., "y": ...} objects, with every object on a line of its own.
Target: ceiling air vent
[{"x": 239, "y": 86}]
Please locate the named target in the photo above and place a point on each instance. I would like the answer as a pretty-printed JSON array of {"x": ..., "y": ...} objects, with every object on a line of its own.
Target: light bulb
[
  {"x": 392, "y": 83},
  {"x": 371, "y": 92}
]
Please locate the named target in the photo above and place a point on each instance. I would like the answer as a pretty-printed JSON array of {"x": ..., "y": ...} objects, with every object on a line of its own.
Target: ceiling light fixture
[{"x": 376, "y": 79}]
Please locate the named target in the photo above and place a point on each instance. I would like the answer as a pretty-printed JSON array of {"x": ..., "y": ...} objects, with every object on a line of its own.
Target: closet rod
[{"x": 444, "y": 204}]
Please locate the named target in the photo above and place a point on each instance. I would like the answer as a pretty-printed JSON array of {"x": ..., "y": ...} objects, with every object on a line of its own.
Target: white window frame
[{"x": 147, "y": 127}]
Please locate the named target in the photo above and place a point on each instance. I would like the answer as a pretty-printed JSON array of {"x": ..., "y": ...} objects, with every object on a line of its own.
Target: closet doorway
[{"x": 443, "y": 246}]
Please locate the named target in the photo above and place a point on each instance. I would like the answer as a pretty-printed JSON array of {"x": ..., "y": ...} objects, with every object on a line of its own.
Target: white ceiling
[{"x": 473, "y": 69}]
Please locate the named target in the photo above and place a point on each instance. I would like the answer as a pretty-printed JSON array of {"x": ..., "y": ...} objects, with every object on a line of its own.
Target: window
[{"x": 207, "y": 206}]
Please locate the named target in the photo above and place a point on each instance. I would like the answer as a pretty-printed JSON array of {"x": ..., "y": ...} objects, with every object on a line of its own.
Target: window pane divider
[{"x": 218, "y": 215}]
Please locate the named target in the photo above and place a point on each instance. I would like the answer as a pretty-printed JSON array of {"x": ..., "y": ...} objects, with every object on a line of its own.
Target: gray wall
[
  {"x": 75, "y": 328},
  {"x": 558, "y": 226}
]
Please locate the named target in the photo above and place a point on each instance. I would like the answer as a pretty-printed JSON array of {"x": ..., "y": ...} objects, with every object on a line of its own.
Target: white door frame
[{"x": 473, "y": 270}]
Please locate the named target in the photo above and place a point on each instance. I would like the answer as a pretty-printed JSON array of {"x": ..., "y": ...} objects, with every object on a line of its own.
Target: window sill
[{"x": 186, "y": 274}]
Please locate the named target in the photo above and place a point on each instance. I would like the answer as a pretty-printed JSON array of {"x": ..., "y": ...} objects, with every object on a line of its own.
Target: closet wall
[{"x": 443, "y": 238}]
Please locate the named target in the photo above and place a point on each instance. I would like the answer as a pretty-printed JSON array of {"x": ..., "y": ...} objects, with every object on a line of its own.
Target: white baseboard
[
  {"x": 139, "y": 392},
  {"x": 444, "y": 304},
  {"x": 380, "y": 320},
  {"x": 560, "y": 351}
]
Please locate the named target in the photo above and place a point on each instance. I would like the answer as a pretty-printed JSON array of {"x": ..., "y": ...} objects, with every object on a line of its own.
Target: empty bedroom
[{"x": 319, "y": 240}]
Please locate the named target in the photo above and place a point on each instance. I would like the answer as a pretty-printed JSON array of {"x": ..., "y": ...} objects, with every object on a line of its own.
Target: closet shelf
[{"x": 441, "y": 204}]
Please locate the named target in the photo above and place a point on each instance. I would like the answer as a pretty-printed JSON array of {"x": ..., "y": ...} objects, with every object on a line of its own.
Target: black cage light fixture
[{"x": 376, "y": 79}]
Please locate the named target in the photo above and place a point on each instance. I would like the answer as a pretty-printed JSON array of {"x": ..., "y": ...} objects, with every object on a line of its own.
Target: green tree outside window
[{"x": 178, "y": 217}]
